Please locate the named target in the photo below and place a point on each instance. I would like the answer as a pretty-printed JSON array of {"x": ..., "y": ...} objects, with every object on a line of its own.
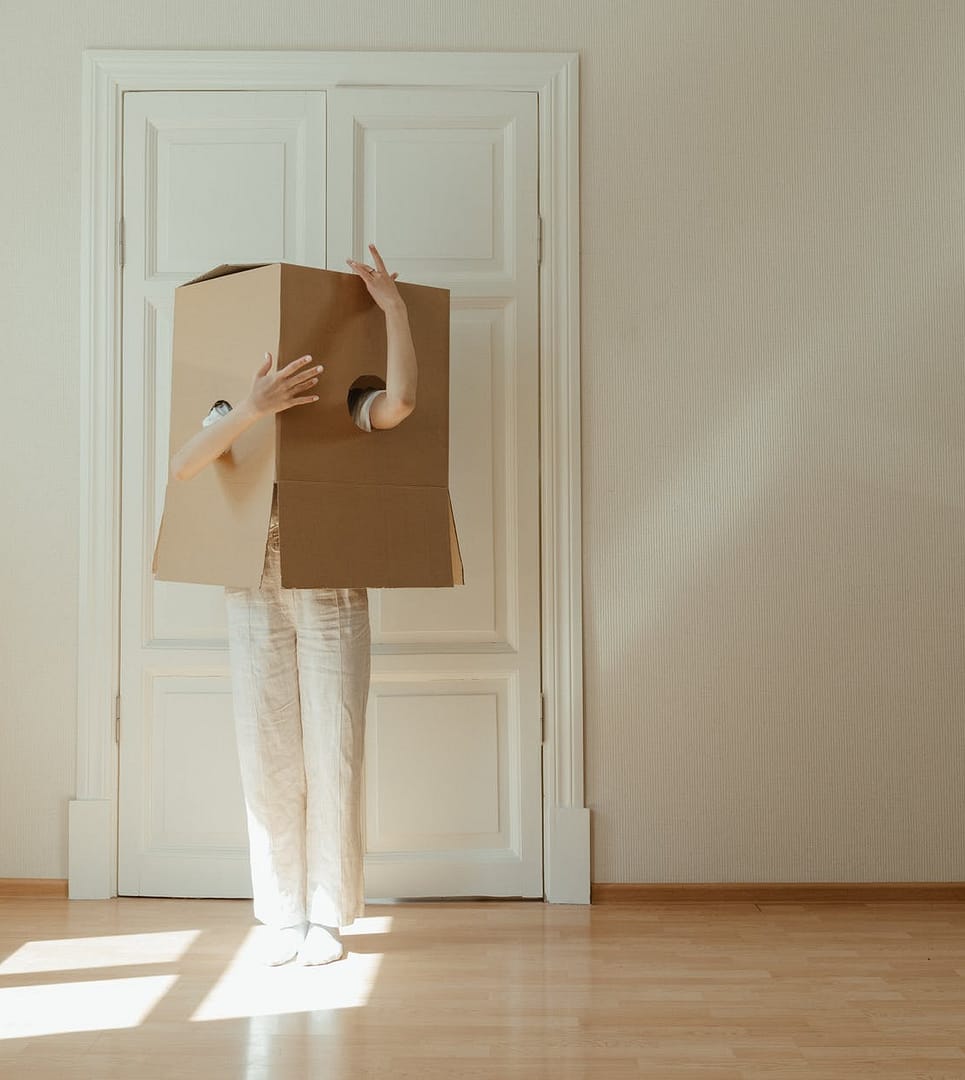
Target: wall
[{"x": 773, "y": 391}]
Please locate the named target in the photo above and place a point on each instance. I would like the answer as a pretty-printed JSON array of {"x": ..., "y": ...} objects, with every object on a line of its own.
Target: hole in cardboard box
[{"x": 358, "y": 389}]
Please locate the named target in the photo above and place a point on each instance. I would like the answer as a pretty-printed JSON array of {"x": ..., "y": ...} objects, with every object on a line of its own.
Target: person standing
[{"x": 300, "y": 671}]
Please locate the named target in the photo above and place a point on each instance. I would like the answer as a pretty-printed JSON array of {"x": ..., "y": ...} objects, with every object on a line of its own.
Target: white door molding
[{"x": 107, "y": 76}]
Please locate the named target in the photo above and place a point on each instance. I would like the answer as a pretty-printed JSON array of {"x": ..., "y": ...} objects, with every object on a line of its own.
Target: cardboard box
[{"x": 355, "y": 508}]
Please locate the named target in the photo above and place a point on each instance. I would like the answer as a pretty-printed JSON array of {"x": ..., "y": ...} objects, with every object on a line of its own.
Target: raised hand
[
  {"x": 379, "y": 282},
  {"x": 274, "y": 391}
]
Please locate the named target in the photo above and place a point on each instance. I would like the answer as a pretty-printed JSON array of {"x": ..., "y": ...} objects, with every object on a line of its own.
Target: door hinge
[
  {"x": 117, "y": 718},
  {"x": 120, "y": 243},
  {"x": 539, "y": 241},
  {"x": 542, "y": 717}
]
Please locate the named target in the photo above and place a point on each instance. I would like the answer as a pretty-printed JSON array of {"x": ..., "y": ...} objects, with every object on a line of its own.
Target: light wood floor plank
[{"x": 730, "y": 990}]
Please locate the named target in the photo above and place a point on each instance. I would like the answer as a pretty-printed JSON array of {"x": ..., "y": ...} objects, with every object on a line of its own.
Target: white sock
[
  {"x": 282, "y": 943},
  {"x": 321, "y": 945}
]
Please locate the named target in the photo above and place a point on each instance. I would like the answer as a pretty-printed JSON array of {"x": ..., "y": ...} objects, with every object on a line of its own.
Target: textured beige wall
[{"x": 773, "y": 392}]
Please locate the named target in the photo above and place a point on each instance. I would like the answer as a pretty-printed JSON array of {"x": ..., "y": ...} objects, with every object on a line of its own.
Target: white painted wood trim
[
  {"x": 566, "y": 828},
  {"x": 107, "y": 76},
  {"x": 90, "y": 849}
]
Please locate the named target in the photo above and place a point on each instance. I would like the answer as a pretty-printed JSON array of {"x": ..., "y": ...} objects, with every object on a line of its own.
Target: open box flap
[{"x": 223, "y": 271}]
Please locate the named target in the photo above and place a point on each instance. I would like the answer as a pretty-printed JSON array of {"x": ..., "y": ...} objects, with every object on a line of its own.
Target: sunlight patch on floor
[
  {"x": 95, "y": 1005},
  {"x": 249, "y": 988},
  {"x": 71, "y": 954}
]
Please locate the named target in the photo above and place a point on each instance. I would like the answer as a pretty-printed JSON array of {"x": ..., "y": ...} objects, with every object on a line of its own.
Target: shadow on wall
[{"x": 780, "y": 535}]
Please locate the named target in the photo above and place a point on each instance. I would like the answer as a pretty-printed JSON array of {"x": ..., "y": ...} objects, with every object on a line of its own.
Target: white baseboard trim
[
  {"x": 90, "y": 850},
  {"x": 567, "y": 866}
]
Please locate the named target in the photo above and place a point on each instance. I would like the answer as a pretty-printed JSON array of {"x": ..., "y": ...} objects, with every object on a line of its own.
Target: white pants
[{"x": 300, "y": 666}]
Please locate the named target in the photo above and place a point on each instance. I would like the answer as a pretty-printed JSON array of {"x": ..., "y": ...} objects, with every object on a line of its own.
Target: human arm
[
  {"x": 271, "y": 392},
  {"x": 401, "y": 370}
]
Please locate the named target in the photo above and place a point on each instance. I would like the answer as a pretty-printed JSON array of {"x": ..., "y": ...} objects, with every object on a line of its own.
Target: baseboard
[
  {"x": 40, "y": 888},
  {"x": 566, "y": 857},
  {"x": 90, "y": 849},
  {"x": 771, "y": 892}
]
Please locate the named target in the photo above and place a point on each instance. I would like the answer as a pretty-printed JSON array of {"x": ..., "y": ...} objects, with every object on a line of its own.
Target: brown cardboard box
[{"x": 355, "y": 508}]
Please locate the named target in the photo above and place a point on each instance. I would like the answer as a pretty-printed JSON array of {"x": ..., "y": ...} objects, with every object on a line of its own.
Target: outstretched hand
[
  {"x": 273, "y": 391},
  {"x": 379, "y": 282}
]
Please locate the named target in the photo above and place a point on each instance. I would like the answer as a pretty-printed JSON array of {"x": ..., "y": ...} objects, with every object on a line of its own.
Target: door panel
[
  {"x": 445, "y": 184},
  {"x": 208, "y": 178}
]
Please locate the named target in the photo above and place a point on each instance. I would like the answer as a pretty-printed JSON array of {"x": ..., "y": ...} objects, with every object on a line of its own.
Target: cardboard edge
[
  {"x": 458, "y": 569},
  {"x": 157, "y": 545},
  {"x": 223, "y": 270}
]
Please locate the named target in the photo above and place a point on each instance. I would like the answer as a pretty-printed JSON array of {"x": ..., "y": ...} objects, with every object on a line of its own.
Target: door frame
[{"x": 107, "y": 75}]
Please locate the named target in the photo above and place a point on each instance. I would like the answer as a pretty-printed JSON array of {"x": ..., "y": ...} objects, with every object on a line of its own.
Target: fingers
[
  {"x": 265, "y": 367},
  {"x": 294, "y": 395},
  {"x": 295, "y": 381},
  {"x": 379, "y": 264},
  {"x": 300, "y": 373},
  {"x": 301, "y": 384},
  {"x": 295, "y": 365},
  {"x": 367, "y": 274}
]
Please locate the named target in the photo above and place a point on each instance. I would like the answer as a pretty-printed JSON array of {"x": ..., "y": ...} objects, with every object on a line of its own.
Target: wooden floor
[{"x": 142, "y": 988}]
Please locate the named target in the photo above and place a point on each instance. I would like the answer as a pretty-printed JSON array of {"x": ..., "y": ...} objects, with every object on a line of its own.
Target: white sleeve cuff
[
  {"x": 217, "y": 410},
  {"x": 363, "y": 408}
]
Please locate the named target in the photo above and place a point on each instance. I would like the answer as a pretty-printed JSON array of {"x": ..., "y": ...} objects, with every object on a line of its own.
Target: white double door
[{"x": 445, "y": 184}]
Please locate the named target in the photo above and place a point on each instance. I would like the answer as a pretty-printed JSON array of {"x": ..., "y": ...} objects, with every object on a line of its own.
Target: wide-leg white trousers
[{"x": 300, "y": 668}]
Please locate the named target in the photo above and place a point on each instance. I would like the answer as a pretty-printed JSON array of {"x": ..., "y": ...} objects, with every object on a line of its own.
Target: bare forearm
[
  {"x": 401, "y": 374},
  {"x": 211, "y": 442}
]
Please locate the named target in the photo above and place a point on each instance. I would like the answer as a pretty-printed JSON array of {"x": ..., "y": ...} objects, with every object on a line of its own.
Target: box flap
[
  {"x": 224, "y": 270},
  {"x": 214, "y": 534},
  {"x": 341, "y": 536}
]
